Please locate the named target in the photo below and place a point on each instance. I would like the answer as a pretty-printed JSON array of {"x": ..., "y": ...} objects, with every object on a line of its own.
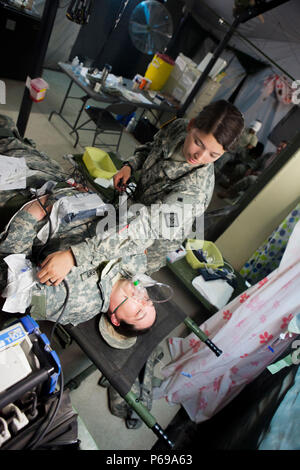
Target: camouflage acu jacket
[
  {"x": 89, "y": 280},
  {"x": 89, "y": 285},
  {"x": 171, "y": 194}
]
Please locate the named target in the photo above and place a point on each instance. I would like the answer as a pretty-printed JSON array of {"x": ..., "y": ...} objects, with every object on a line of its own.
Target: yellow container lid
[
  {"x": 99, "y": 163},
  {"x": 209, "y": 249}
]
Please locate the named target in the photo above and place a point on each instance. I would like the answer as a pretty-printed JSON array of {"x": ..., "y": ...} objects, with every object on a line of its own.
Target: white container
[
  {"x": 75, "y": 63},
  {"x": 37, "y": 89},
  {"x": 217, "y": 68}
]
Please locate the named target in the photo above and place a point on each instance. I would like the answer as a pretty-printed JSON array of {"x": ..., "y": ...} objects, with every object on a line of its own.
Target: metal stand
[
  {"x": 147, "y": 417},
  {"x": 202, "y": 336},
  {"x": 143, "y": 412}
]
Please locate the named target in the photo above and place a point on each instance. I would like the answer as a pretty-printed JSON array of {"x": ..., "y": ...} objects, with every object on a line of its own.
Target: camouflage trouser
[{"x": 142, "y": 389}]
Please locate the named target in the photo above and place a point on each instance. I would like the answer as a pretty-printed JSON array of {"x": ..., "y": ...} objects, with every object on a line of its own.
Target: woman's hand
[
  {"x": 56, "y": 267},
  {"x": 121, "y": 178}
]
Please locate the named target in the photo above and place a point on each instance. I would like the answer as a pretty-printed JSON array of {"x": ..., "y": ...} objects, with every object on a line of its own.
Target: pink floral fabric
[
  {"x": 251, "y": 331},
  {"x": 281, "y": 86}
]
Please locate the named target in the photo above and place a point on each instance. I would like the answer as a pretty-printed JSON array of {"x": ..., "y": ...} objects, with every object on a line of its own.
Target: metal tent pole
[
  {"x": 210, "y": 65},
  {"x": 36, "y": 67},
  {"x": 241, "y": 18}
]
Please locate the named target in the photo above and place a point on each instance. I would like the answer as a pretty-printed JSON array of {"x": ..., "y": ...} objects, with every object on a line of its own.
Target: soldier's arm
[
  {"x": 22, "y": 228},
  {"x": 136, "y": 162},
  {"x": 20, "y": 234},
  {"x": 142, "y": 151},
  {"x": 152, "y": 224},
  {"x": 139, "y": 156},
  {"x": 167, "y": 221}
]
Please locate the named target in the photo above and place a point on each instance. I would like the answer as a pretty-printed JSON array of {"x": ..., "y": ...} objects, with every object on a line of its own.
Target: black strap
[{"x": 130, "y": 166}]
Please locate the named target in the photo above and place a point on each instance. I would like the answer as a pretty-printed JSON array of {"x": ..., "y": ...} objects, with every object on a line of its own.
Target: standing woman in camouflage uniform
[{"x": 175, "y": 186}]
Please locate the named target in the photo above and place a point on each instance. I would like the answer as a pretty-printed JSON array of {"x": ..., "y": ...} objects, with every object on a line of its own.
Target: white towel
[
  {"x": 20, "y": 279},
  {"x": 217, "y": 291},
  {"x": 13, "y": 173}
]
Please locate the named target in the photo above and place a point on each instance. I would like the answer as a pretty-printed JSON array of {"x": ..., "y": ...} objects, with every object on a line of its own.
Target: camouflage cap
[{"x": 112, "y": 337}]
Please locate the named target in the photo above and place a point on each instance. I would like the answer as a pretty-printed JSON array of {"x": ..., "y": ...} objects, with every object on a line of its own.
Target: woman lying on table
[{"x": 86, "y": 291}]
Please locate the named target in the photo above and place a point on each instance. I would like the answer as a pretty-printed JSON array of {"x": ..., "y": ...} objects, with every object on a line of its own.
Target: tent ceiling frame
[
  {"x": 269, "y": 59},
  {"x": 249, "y": 13}
]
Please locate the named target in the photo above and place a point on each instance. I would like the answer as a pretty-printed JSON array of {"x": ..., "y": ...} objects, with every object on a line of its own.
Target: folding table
[{"x": 101, "y": 96}]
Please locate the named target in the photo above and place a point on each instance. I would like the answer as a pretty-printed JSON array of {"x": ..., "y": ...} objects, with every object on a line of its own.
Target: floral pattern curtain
[{"x": 251, "y": 331}]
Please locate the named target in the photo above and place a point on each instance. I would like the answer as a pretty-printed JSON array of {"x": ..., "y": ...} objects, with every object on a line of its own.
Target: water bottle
[
  {"x": 131, "y": 125},
  {"x": 106, "y": 70},
  {"x": 78, "y": 69},
  {"x": 75, "y": 63}
]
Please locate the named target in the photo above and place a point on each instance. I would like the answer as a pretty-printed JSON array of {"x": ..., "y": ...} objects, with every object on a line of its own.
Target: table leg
[
  {"x": 59, "y": 113},
  {"x": 84, "y": 99},
  {"x": 63, "y": 103}
]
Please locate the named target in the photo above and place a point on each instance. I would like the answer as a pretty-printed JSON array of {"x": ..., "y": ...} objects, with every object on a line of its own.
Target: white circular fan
[{"x": 150, "y": 27}]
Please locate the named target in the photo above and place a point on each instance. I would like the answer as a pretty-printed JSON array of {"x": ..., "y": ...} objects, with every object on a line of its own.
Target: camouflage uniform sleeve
[
  {"x": 142, "y": 151},
  {"x": 132, "y": 239},
  {"x": 181, "y": 207},
  {"x": 140, "y": 154},
  {"x": 162, "y": 226},
  {"x": 20, "y": 235}
]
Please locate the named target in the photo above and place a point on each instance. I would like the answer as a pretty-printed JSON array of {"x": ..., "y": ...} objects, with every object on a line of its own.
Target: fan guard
[{"x": 150, "y": 27}]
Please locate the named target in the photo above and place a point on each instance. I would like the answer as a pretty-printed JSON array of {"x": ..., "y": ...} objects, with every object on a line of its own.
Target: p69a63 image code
[{"x": 171, "y": 459}]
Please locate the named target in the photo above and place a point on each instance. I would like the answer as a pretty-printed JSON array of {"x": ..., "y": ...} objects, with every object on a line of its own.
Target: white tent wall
[
  {"x": 254, "y": 105},
  {"x": 250, "y": 100},
  {"x": 278, "y": 37},
  {"x": 278, "y": 23},
  {"x": 61, "y": 41}
]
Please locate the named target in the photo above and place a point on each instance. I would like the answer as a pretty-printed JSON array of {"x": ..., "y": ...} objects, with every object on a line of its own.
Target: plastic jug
[{"x": 158, "y": 71}]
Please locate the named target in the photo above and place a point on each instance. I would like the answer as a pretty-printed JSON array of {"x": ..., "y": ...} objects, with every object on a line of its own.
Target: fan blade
[{"x": 138, "y": 28}]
